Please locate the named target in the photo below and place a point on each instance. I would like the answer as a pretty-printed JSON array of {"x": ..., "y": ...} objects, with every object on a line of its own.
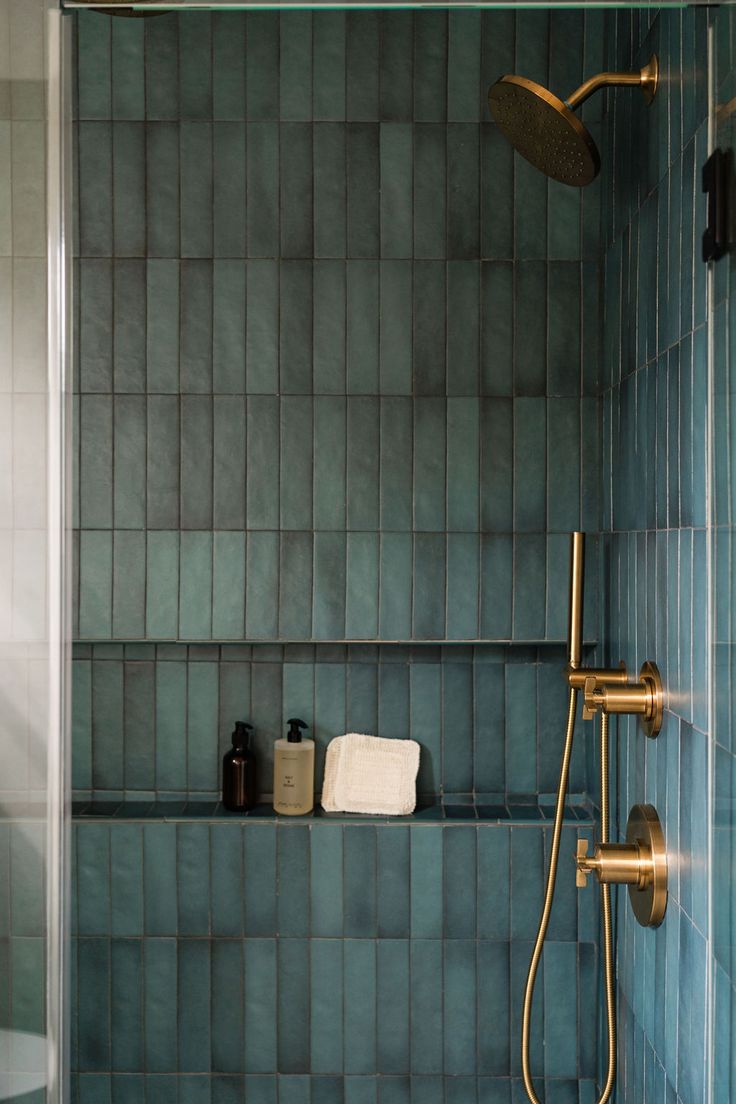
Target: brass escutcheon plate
[
  {"x": 650, "y": 676},
  {"x": 645, "y": 830},
  {"x": 650, "y": 78}
]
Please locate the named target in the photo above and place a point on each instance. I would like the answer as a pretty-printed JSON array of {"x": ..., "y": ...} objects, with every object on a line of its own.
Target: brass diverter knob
[
  {"x": 640, "y": 863},
  {"x": 644, "y": 698}
]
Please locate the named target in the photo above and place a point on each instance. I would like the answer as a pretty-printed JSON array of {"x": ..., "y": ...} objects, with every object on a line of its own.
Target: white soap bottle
[{"x": 293, "y": 772}]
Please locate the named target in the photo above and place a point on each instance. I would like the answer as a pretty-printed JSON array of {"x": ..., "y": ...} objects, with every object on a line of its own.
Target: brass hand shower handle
[{"x": 575, "y": 676}]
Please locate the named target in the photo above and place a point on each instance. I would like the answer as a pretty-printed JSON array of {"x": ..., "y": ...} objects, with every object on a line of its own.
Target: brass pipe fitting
[
  {"x": 577, "y": 677},
  {"x": 644, "y": 698},
  {"x": 640, "y": 863}
]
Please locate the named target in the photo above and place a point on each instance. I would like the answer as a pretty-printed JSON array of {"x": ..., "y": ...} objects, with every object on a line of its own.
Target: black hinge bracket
[{"x": 715, "y": 185}]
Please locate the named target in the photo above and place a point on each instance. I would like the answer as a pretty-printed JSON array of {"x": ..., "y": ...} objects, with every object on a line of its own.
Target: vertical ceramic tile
[
  {"x": 296, "y": 432},
  {"x": 226, "y": 871},
  {"x": 295, "y": 327},
  {"x": 195, "y": 590},
  {"x": 262, "y": 75},
  {"x": 262, "y": 436},
  {"x": 262, "y": 169},
  {"x": 228, "y": 189},
  {"x": 129, "y": 232},
  {"x": 159, "y": 879},
  {"x": 497, "y": 335},
  {"x": 296, "y": 190},
  {"x": 430, "y": 197},
  {"x": 228, "y": 65},
  {"x": 193, "y": 1005},
  {"x": 361, "y": 600},
  {"x": 228, "y": 585},
  {"x": 260, "y": 1005},
  {"x": 203, "y": 767},
  {"x": 362, "y": 176},
  {"x": 126, "y": 1020},
  {"x": 362, "y": 326},
  {"x": 171, "y": 690},
  {"x": 392, "y": 1008},
  {"x": 328, "y": 598},
  {"x": 227, "y": 1005},
  {"x": 329, "y": 186},
  {"x": 129, "y": 459},
  {"x": 395, "y": 586},
  {"x": 162, "y": 189},
  {"x": 228, "y": 327},
  {"x": 426, "y": 1006},
  {"x": 396, "y": 168},
  {"x": 363, "y": 430},
  {"x": 139, "y": 713},
  {"x": 293, "y": 1005},
  {"x": 95, "y": 584},
  {"x": 262, "y": 297},
  {"x": 360, "y": 1005},
  {"x": 162, "y": 585},
  {"x": 295, "y": 588},
  {"x": 328, "y": 54},
  {"x": 261, "y": 585},
  {"x": 95, "y": 189}
]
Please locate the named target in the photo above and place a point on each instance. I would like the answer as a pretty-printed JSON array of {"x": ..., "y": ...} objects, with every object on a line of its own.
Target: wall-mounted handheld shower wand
[
  {"x": 576, "y": 677},
  {"x": 641, "y": 861}
]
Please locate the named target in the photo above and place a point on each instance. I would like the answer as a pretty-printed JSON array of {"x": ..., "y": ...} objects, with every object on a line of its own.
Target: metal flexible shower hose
[{"x": 547, "y": 909}]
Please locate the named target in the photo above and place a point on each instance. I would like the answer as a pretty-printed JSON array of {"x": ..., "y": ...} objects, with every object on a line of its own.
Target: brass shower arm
[{"x": 646, "y": 79}]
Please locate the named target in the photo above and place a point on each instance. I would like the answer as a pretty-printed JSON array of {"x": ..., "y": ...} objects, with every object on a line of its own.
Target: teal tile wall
[
  {"x": 154, "y": 721},
  {"x": 216, "y": 962},
  {"x": 338, "y": 351},
  {"x": 723, "y": 810},
  {"x": 337, "y": 378},
  {"x": 655, "y": 449}
]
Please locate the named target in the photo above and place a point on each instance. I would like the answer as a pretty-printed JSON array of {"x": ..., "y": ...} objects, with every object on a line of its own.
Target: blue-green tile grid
[
  {"x": 338, "y": 351},
  {"x": 655, "y": 380},
  {"x": 723, "y": 812},
  {"x": 325, "y": 963}
]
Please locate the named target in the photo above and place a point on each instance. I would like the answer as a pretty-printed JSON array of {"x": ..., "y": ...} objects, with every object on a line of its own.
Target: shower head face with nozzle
[{"x": 544, "y": 130}]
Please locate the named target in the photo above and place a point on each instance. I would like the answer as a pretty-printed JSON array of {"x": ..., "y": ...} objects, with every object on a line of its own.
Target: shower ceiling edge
[{"x": 155, "y": 8}]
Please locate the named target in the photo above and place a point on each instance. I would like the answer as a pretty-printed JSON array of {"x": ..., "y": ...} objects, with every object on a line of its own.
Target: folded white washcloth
[{"x": 369, "y": 774}]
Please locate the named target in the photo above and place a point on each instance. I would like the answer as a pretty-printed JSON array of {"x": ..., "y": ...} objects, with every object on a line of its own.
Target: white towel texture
[{"x": 368, "y": 774}]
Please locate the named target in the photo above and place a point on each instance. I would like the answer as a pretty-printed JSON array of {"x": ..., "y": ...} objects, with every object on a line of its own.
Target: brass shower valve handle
[
  {"x": 644, "y": 698},
  {"x": 640, "y": 863},
  {"x": 614, "y": 863}
]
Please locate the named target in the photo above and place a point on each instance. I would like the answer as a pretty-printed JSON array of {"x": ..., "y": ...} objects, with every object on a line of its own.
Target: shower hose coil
[{"x": 547, "y": 909}]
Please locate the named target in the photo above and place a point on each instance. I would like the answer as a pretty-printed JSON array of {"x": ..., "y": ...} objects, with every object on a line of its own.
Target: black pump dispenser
[
  {"x": 239, "y": 781},
  {"x": 294, "y": 735}
]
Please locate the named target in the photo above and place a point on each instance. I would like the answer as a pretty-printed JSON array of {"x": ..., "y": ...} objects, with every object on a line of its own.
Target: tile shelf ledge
[
  {"x": 345, "y": 642},
  {"x": 510, "y": 814}
]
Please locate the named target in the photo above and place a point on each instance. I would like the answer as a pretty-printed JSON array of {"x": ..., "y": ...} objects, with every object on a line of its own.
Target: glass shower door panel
[{"x": 32, "y": 342}]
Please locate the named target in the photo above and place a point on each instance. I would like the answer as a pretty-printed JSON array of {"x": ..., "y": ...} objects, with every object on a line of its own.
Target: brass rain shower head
[{"x": 545, "y": 130}]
